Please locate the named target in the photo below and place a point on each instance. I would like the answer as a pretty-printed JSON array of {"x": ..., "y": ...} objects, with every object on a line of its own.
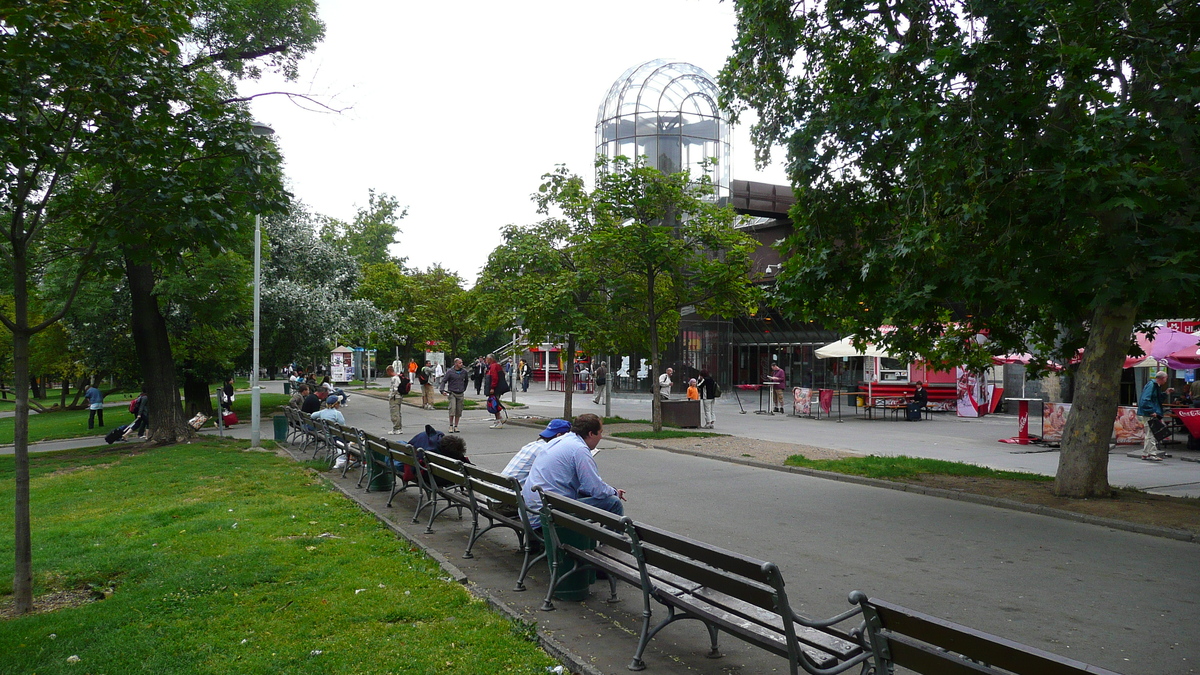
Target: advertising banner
[
  {"x": 1054, "y": 418},
  {"x": 802, "y": 401},
  {"x": 972, "y": 394},
  {"x": 1127, "y": 429},
  {"x": 1191, "y": 419}
]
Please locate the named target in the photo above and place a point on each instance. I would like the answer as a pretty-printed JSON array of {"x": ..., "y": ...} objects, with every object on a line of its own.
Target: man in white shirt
[
  {"x": 664, "y": 383},
  {"x": 332, "y": 411},
  {"x": 518, "y": 467},
  {"x": 395, "y": 396}
]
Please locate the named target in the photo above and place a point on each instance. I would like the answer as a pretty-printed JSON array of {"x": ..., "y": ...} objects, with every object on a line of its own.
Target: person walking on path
[
  {"x": 425, "y": 377},
  {"x": 495, "y": 374},
  {"x": 141, "y": 410},
  {"x": 95, "y": 399},
  {"x": 708, "y": 394},
  {"x": 1150, "y": 409},
  {"x": 227, "y": 396},
  {"x": 478, "y": 371},
  {"x": 601, "y": 379},
  {"x": 566, "y": 467},
  {"x": 395, "y": 396},
  {"x": 454, "y": 386}
]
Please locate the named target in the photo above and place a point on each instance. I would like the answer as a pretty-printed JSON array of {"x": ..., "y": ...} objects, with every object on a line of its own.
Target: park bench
[
  {"x": 295, "y": 430},
  {"x": 447, "y": 483},
  {"x": 898, "y": 636},
  {"x": 315, "y": 435},
  {"x": 724, "y": 590},
  {"x": 490, "y": 493}
]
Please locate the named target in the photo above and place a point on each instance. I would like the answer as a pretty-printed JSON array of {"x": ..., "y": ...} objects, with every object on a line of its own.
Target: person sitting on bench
[
  {"x": 566, "y": 467},
  {"x": 920, "y": 399}
]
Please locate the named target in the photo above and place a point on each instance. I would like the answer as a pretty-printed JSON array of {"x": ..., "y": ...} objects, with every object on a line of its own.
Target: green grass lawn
[
  {"x": 664, "y": 434},
  {"x": 903, "y": 466},
  {"x": 73, "y": 423},
  {"x": 219, "y": 560}
]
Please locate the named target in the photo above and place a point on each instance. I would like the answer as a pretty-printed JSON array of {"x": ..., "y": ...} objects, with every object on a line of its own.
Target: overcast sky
[{"x": 457, "y": 109}]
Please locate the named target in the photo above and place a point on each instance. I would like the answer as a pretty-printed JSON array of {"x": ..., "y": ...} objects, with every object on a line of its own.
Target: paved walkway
[{"x": 1121, "y": 600}]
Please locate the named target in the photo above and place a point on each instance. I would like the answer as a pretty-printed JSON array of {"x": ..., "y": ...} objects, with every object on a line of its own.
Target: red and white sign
[{"x": 1185, "y": 326}]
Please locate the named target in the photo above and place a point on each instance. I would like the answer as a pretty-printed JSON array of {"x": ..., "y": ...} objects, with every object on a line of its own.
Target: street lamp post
[{"x": 255, "y": 393}]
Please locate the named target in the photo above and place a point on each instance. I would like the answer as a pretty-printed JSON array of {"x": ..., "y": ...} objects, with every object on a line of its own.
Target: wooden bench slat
[
  {"x": 743, "y": 589},
  {"x": 823, "y": 640}
]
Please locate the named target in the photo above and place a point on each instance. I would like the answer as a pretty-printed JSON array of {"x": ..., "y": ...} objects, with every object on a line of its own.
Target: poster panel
[
  {"x": 1127, "y": 429},
  {"x": 1054, "y": 418},
  {"x": 972, "y": 394},
  {"x": 802, "y": 401}
]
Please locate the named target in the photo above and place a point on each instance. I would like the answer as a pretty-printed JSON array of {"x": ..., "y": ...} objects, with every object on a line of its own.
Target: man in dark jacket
[
  {"x": 454, "y": 387},
  {"x": 1150, "y": 409}
]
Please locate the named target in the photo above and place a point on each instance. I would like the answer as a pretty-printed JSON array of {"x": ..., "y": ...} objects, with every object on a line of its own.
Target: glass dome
[{"x": 666, "y": 110}]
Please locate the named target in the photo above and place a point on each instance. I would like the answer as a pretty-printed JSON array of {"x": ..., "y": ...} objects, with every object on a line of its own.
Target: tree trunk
[
  {"x": 167, "y": 423},
  {"x": 80, "y": 387},
  {"x": 62, "y": 395},
  {"x": 35, "y": 384},
  {"x": 568, "y": 377},
  {"x": 22, "y": 544},
  {"x": 1083, "y": 463},
  {"x": 655, "y": 373},
  {"x": 197, "y": 397}
]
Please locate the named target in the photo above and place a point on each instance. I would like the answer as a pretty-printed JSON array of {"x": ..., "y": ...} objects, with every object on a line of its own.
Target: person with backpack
[
  {"x": 399, "y": 387},
  {"x": 708, "y": 394},
  {"x": 140, "y": 407},
  {"x": 601, "y": 380}
]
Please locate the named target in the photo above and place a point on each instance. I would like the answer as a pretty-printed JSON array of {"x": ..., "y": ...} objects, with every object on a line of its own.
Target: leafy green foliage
[
  {"x": 373, "y": 230},
  {"x": 1023, "y": 169}
]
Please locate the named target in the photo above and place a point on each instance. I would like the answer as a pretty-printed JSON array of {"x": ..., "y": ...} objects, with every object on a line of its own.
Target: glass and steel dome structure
[{"x": 666, "y": 110}]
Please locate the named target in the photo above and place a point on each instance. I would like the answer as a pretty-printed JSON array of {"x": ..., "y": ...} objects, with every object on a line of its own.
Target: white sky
[{"x": 457, "y": 109}]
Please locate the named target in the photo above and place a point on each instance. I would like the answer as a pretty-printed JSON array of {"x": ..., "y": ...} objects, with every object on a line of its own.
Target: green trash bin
[
  {"x": 380, "y": 479},
  {"x": 281, "y": 428},
  {"x": 287, "y": 388},
  {"x": 575, "y": 588}
]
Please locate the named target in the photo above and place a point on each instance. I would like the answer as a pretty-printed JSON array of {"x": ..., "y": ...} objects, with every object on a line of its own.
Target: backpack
[
  {"x": 133, "y": 405},
  {"x": 716, "y": 390},
  {"x": 493, "y": 404},
  {"x": 422, "y": 377},
  {"x": 405, "y": 385}
]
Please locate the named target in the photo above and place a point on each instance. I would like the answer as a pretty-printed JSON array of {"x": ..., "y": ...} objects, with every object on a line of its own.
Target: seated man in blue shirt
[
  {"x": 566, "y": 467},
  {"x": 332, "y": 411}
]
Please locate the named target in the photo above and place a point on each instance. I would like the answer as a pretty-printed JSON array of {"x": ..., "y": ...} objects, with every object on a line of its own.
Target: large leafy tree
[
  {"x": 651, "y": 244},
  {"x": 1024, "y": 169},
  {"x": 373, "y": 230},
  {"x": 118, "y": 128}
]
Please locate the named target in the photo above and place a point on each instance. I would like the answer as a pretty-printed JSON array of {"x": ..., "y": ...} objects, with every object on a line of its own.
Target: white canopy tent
[{"x": 844, "y": 348}]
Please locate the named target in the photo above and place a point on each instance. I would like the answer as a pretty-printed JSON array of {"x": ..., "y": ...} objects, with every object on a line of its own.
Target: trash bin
[
  {"x": 681, "y": 413},
  {"x": 281, "y": 428},
  {"x": 378, "y": 477},
  {"x": 575, "y": 588},
  {"x": 287, "y": 388}
]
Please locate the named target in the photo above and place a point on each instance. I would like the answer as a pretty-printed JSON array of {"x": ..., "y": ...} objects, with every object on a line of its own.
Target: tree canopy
[{"x": 1024, "y": 169}]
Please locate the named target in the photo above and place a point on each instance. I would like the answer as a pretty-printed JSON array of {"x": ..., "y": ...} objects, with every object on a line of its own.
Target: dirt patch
[
  {"x": 1127, "y": 505},
  {"x": 49, "y": 602}
]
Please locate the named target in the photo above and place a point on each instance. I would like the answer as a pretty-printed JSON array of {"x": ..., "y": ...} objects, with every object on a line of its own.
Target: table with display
[{"x": 1022, "y": 437}]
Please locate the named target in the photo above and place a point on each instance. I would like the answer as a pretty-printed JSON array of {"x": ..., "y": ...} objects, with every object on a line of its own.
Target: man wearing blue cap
[
  {"x": 566, "y": 467},
  {"x": 518, "y": 467},
  {"x": 331, "y": 411}
]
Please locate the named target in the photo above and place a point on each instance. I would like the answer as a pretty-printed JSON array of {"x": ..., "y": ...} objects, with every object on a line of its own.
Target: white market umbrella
[{"x": 844, "y": 348}]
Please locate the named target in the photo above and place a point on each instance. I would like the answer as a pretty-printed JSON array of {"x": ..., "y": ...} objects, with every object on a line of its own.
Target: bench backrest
[
  {"x": 493, "y": 486},
  {"x": 445, "y": 470},
  {"x": 754, "y": 581},
  {"x": 589, "y": 521},
  {"x": 928, "y": 644}
]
